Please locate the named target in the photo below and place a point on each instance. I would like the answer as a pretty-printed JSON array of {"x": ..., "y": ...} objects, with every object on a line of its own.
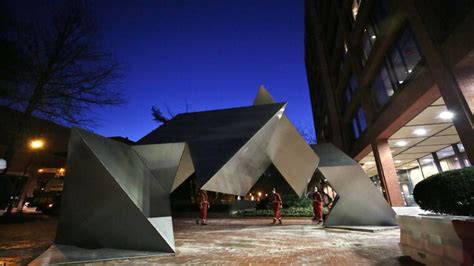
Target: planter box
[{"x": 437, "y": 240}]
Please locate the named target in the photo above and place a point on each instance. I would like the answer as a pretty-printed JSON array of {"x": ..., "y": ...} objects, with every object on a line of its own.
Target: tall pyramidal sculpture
[{"x": 111, "y": 199}]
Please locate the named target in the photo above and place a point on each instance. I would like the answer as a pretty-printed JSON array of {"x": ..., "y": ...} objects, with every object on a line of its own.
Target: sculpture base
[{"x": 64, "y": 254}]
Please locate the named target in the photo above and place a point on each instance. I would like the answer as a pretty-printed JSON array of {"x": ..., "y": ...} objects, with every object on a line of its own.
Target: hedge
[
  {"x": 285, "y": 212},
  {"x": 450, "y": 192}
]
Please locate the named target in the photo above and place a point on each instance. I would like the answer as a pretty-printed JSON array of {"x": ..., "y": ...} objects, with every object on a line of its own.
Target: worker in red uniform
[
  {"x": 203, "y": 207},
  {"x": 277, "y": 203},
  {"x": 317, "y": 206}
]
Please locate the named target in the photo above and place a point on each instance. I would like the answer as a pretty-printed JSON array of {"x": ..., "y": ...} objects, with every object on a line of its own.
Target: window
[
  {"x": 373, "y": 29},
  {"x": 397, "y": 67},
  {"x": 383, "y": 86},
  {"x": 354, "y": 128},
  {"x": 368, "y": 41},
  {"x": 361, "y": 118},
  {"x": 351, "y": 88},
  {"x": 359, "y": 124}
]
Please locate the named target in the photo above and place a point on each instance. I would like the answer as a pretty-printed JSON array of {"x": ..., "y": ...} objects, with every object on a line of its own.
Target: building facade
[{"x": 392, "y": 84}]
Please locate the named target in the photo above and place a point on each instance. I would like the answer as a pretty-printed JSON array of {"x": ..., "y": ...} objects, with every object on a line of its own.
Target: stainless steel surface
[
  {"x": 288, "y": 151},
  {"x": 65, "y": 254},
  {"x": 164, "y": 161},
  {"x": 360, "y": 202},
  {"x": 214, "y": 137},
  {"x": 243, "y": 170},
  {"x": 111, "y": 199},
  {"x": 263, "y": 97}
]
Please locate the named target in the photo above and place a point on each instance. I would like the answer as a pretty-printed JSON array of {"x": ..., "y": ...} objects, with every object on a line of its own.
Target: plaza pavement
[{"x": 233, "y": 241}]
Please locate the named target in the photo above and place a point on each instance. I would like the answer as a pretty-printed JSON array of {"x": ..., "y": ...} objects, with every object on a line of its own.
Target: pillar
[
  {"x": 436, "y": 162},
  {"x": 387, "y": 173}
]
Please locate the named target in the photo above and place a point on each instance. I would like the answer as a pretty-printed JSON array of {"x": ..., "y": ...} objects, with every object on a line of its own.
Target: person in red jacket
[
  {"x": 203, "y": 206},
  {"x": 317, "y": 206},
  {"x": 277, "y": 203}
]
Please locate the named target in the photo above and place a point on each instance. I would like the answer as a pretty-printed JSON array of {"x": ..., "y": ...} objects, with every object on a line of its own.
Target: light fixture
[
  {"x": 427, "y": 160},
  {"x": 400, "y": 82},
  {"x": 401, "y": 143},
  {"x": 446, "y": 115},
  {"x": 398, "y": 161},
  {"x": 36, "y": 144},
  {"x": 373, "y": 37},
  {"x": 419, "y": 131},
  {"x": 409, "y": 71}
]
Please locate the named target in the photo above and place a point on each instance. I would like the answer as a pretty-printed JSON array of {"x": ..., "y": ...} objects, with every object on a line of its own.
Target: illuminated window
[
  {"x": 397, "y": 67},
  {"x": 359, "y": 124}
]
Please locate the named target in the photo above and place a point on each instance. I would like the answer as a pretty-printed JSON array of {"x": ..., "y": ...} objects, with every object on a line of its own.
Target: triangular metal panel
[
  {"x": 130, "y": 172},
  {"x": 292, "y": 156},
  {"x": 263, "y": 97},
  {"x": 164, "y": 226},
  {"x": 360, "y": 202},
  {"x": 185, "y": 169},
  {"x": 162, "y": 160},
  {"x": 96, "y": 212},
  {"x": 243, "y": 170},
  {"x": 289, "y": 152}
]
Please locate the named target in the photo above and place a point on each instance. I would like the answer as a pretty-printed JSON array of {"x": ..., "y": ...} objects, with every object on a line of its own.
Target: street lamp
[{"x": 35, "y": 145}]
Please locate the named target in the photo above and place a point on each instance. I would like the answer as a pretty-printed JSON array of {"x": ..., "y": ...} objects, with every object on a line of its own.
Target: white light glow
[
  {"x": 401, "y": 143},
  {"x": 398, "y": 161},
  {"x": 419, "y": 131},
  {"x": 446, "y": 115},
  {"x": 373, "y": 37},
  {"x": 36, "y": 144},
  {"x": 427, "y": 160}
]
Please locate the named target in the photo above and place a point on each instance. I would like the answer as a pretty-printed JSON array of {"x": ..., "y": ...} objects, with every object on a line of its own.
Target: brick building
[{"x": 392, "y": 84}]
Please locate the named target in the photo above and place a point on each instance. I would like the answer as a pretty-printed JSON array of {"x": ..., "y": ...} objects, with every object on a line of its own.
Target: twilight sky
[{"x": 211, "y": 54}]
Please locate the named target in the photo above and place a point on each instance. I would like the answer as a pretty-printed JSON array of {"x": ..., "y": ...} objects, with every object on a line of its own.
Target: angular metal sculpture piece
[
  {"x": 232, "y": 148},
  {"x": 111, "y": 199},
  {"x": 288, "y": 151},
  {"x": 360, "y": 202},
  {"x": 117, "y": 196},
  {"x": 170, "y": 163}
]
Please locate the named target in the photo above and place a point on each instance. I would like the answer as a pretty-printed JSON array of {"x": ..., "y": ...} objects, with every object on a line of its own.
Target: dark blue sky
[{"x": 210, "y": 54}]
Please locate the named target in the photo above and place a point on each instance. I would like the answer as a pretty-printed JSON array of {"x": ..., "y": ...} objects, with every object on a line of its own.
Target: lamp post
[{"x": 34, "y": 146}]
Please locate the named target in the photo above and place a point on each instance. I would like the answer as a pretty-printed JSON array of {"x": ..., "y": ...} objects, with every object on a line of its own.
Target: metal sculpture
[
  {"x": 360, "y": 202},
  {"x": 232, "y": 148},
  {"x": 111, "y": 199},
  {"x": 117, "y": 196}
]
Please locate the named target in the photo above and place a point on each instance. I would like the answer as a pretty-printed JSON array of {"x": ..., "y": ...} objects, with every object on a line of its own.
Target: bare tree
[
  {"x": 306, "y": 133},
  {"x": 158, "y": 115},
  {"x": 65, "y": 73},
  {"x": 160, "y": 118}
]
